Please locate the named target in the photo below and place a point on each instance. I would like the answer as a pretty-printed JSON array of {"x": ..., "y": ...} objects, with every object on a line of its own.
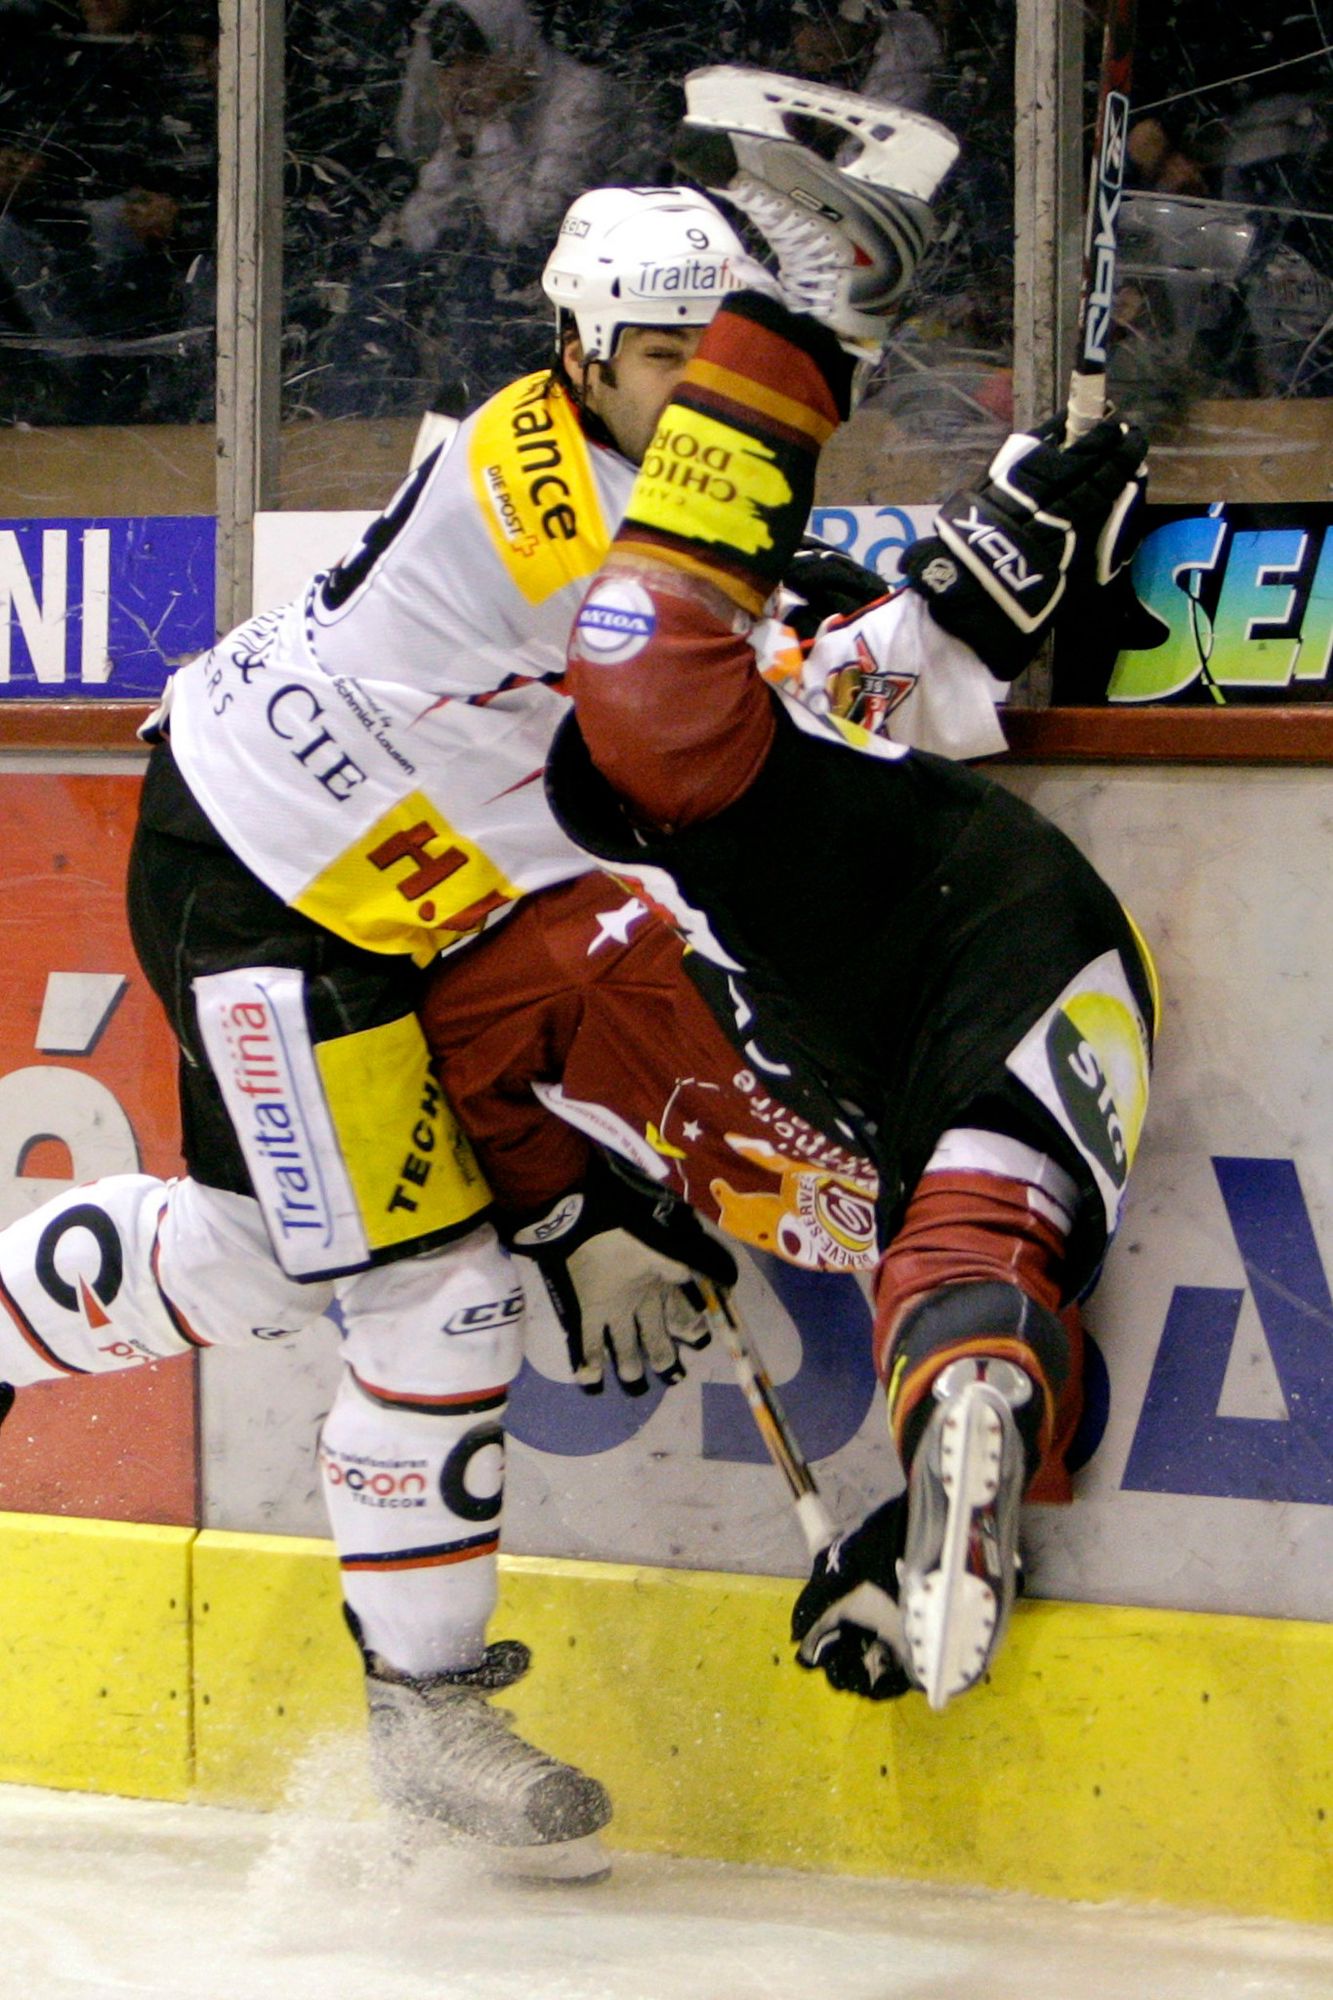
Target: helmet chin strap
[{"x": 594, "y": 427}]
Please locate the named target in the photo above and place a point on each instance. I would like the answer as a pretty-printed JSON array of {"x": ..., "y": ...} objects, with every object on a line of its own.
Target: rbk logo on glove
[
  {"x": 1003, "y": 553},
  {"x": 551, "y": 1227},
  {"x": 1004, "y": 556}
]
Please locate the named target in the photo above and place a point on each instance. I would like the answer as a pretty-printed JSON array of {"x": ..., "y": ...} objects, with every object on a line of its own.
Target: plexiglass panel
[
  {"x": 1224, "y": 343},
  {"x": 432, "y": 152},
  {"x": 942, "y": 397},
  {"x": 108, "y": 178}
]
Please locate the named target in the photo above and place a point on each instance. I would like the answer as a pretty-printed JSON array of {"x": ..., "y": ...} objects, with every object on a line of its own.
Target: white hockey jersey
[{"x": 374, "y": 750}]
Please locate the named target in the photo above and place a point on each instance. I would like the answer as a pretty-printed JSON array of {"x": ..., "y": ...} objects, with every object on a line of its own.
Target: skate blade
[
  {"x": 899, "y": 149},
  {"x": 571, "y": 1863},
  {"x": 415, "y": 1842},
  {"x": 951, "y": 1618}
]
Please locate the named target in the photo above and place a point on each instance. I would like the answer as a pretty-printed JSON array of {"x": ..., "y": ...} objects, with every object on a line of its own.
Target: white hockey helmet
[{"x": 642, "y": 257}]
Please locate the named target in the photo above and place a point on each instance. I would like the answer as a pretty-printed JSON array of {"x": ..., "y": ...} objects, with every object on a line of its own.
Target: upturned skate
[
  {"x": 847, "y": 234},
  {"x": 959, "y": 1572}
]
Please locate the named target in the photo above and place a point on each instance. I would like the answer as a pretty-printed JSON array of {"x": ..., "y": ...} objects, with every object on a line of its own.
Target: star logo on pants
[{"x": 614, "y": 926}]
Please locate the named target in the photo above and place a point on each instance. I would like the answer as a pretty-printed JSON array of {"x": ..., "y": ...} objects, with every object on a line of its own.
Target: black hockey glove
[
  {"x": 829, "y": 584},
  {"x": 617, "y": 1259},
  {"x": 1002, "y": 553},
  {"x": 846, "y": 1621}
]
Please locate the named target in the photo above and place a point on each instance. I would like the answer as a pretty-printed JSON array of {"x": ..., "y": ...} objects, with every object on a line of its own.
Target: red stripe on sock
[
  {"x": 407, "y": 1399},
  {"x": 770, "y": 360},
  {"x": 424, "y": 1559}
]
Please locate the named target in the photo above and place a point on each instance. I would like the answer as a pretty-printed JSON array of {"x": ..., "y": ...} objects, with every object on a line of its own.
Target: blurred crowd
[
  {"x": 108, "y": 172},
  {"x": 497, "y": 112},
  {"x": 431, "y": 148},
  {"x": 1227, "y": 233}
]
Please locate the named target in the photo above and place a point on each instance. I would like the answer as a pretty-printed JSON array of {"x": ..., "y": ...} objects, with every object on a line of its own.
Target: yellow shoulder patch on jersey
[
  {"x": 708, "y": 482},
  {"x": 534, "y": 484},
  {"x": 411, "y": 883}
]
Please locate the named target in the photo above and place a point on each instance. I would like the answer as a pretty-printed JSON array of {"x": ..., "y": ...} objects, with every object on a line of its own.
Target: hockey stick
[
  {"x": 816, "y": 1524},
  {"x": 1087, "y": 385}
]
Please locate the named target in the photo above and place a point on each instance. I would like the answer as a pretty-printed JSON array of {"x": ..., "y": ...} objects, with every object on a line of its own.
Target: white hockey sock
[
  {"x": 419, "y": 1574},
  {"x": 412, "y": 1452}
]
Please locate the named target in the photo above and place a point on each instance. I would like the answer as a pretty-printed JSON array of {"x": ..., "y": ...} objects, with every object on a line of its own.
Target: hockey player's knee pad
[
  {"x": 131, "y": 1268},
  {"x": 987, "y": 1321},
  {"x": 430, "y": 1329}
]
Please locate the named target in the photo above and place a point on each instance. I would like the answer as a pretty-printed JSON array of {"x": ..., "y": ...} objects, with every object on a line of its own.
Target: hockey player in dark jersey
[{"x": 903, "y": 940}]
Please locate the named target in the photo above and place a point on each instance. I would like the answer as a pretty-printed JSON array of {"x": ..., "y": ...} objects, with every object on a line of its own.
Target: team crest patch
[{"x": 820, "y": 1220}]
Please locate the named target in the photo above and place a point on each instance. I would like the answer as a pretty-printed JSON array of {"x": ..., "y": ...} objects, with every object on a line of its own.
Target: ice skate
[
  {"x": 440, "y": 1753},
  {"x": 959, "y": 1572},
  {"x": 847, "y": 237}
]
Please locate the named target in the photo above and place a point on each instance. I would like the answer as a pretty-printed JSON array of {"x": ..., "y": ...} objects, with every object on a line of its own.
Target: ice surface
[{"x": 108, "y": 1898}]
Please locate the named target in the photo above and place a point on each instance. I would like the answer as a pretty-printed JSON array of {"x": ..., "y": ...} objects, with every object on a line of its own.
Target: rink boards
[
  {"x": 1181, "y": 1751},
  {"x": 1209, "y": 1439},
  {"x": 1138, "y": 1755}
]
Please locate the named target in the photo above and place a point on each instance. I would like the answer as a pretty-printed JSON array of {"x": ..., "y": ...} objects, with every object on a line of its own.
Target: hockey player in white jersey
[{"x": 343, "y": 791}]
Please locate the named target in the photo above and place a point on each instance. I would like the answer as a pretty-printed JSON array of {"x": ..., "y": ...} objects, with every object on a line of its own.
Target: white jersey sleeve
[{"x": 374, "y": 751}]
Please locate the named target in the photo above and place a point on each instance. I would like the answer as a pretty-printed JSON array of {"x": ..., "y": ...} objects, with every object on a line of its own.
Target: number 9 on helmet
[{"x": 643, "y": 257}]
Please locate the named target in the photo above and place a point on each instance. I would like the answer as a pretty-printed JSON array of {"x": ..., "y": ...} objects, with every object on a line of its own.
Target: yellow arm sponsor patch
[
  {"x": 534, "y": 484},
  {"x": 412, "y": 883},
  {"x": 708, "y": 482},
  {"x": 411, "y": 1168}
]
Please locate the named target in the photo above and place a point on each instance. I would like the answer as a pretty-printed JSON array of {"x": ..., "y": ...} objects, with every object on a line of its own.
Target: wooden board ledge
[
  {"x": 1298, "y": 735},
  {"x": 1302, "y": 735}
]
